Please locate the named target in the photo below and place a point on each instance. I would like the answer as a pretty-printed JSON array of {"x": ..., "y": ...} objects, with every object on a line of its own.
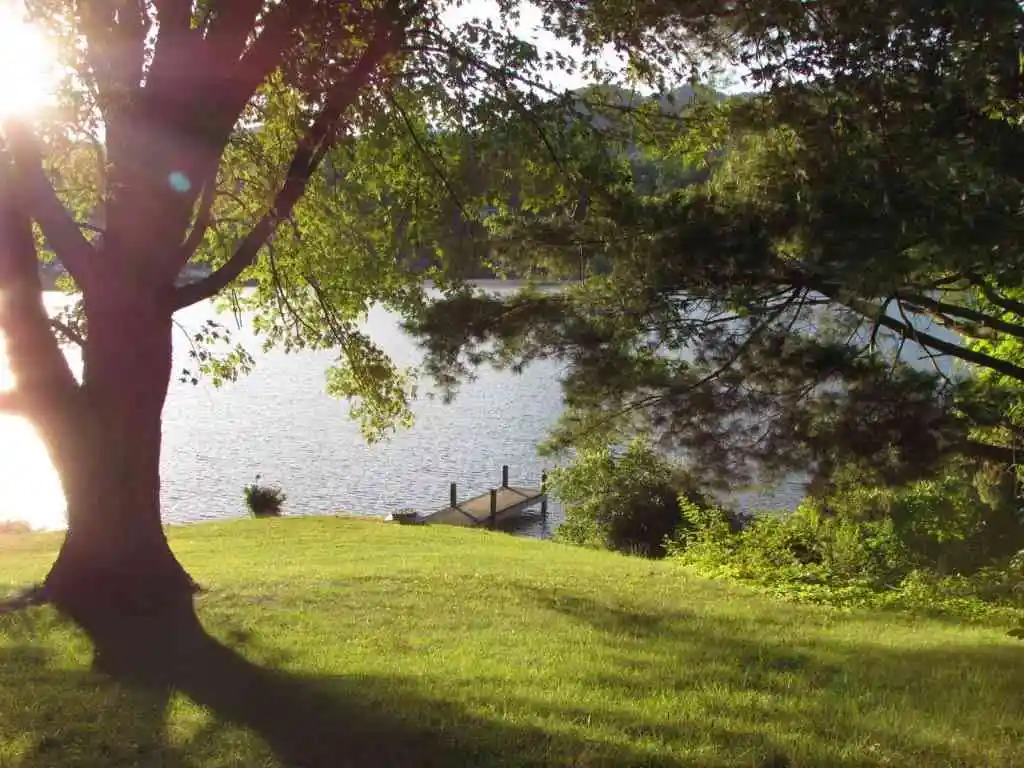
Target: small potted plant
[{"x": 264, "y": 500}]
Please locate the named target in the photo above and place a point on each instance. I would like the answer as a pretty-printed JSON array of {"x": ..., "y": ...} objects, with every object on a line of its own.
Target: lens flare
[{"x": 27, "y": 66}]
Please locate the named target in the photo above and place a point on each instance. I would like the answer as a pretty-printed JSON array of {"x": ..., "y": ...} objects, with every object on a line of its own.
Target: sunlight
[
  {"x": 27, "y": 71},
  {"x": 30, "y": 490}
]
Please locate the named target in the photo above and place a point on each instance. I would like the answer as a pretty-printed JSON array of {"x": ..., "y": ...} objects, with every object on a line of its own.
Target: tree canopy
[
  {"x": 844, "y": 287},
  {"x": 329, "y": 155}
]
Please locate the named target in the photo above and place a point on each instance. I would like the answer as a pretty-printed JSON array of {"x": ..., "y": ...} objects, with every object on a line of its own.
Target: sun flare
[
  {"x": 27, "y": 66},
  {"x": 30, "y": 490}
]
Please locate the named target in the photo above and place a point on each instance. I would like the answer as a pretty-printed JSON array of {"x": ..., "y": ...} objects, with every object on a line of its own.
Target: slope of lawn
[{"x": 471, "y": 648}]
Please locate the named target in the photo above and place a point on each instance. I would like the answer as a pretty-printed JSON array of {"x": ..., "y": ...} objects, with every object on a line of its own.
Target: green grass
[{"x": 480, "y": 649}]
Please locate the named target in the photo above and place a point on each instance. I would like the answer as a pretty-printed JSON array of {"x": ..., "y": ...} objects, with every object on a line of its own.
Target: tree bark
[{"x": 115, "y": 560}]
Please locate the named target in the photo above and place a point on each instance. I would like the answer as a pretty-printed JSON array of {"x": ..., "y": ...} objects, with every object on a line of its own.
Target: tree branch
[
  {"x": 1006, "y": 303},
  {"x": 116, "y": 51},
  {"x": 308, "y": 156},
  {"x": 201, "y": 223},
  {"x": 173, "y": 14},
  {"x": 962, "y": 327},
  {"x": 229, "y": 26},
  {"x": 244, "y": 76},
  {"x": 966, "y": 313},
  {"x": 907, "y": 331},
  {"x": 12, "y": 402},
  {"x": 43, "y": 205},
  {"x": 34, "y": 357},
  {"x": 997, "y": 453},
  {"x": 67, "y": 331}
]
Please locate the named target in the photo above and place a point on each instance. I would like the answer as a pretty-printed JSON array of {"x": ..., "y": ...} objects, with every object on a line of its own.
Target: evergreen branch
[
  {"x": 907, "y": 331},
  {"x": 1006, "y": 303},
  {"x": 941, "y": 308}
]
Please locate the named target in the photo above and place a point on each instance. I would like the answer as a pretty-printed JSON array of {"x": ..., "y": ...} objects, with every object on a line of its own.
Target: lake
[{"x": 278, "y": 422}]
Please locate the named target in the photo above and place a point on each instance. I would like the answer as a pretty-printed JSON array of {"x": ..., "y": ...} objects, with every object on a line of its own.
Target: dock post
[
  {"x": 494, "y": 507},
  {"x": 453, "y": 495},
  {"x": 504, "y": 476},
  {"x": 544, "y": 502}
]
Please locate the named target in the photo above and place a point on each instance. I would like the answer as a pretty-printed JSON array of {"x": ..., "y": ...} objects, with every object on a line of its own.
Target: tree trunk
[{"x": 115, "y": 562}]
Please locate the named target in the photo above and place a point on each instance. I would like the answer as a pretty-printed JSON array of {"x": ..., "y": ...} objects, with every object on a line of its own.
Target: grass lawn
[{"x": 479, "y": 649}]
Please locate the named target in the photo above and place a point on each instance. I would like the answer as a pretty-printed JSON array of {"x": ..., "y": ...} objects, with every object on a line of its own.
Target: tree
[
  {"x": 302, "y": 144},
  {"x": 629, "y": 501},
  {"x": 862, "y": 207}
]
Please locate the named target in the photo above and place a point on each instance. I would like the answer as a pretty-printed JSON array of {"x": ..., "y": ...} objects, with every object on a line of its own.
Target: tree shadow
[
  {"x": 782, "y": 692},
  {"x": 74, "y": 717},
  {"x": 802, "y": 701},
  {"x": 609, "y": 618}
]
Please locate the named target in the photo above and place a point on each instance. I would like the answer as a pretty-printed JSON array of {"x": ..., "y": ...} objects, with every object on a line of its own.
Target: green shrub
[
  {"x": 264, "y": 500},
  {"x": 627, "y": 502},
  {"x": 955, "y": 523},
  {"x": 8, "y": 527},
  {"x": 935, "y": 546}
]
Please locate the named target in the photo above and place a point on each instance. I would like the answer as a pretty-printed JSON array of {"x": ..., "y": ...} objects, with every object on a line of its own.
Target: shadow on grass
[
  {"x": 774, "y": 688},
  {"x": 78, "y": 717},
  {"x": 749, "y": 693}
]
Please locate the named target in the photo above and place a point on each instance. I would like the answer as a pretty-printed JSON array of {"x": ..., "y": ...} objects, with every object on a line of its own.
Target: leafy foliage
[
  {"x": 13, "y": 527},
  {"x": 627, "y": 501},
  {"x": 933, "y": 545},
  {"x": 264, "y": 500},
  {"x": 839, "y": 288}
]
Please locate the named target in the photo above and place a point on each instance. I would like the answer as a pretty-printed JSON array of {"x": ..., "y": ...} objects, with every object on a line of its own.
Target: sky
[{"x": 530, "y": 28}]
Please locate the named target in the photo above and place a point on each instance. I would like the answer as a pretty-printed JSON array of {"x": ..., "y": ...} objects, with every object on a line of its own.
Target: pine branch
[
  {"x": 907, "y": 331},
  {"x": 941, "y": 309},
  {"x": 1006, "y": 303}
]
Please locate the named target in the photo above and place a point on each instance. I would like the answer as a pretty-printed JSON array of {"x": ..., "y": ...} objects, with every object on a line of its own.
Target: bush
[
  {"x": 630, "y": 502},
  {"x": 264, "y": 500},
  {"x": 954, "y": 523},
  {"x": 8, "y": 527},
  {"x": 933, "y": 545}
]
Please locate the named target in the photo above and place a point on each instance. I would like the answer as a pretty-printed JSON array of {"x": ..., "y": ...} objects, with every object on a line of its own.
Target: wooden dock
[{"x": 498, "y": 506}]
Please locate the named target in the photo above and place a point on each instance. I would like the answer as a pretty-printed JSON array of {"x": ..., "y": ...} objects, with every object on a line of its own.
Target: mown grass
[{"x": 479, "y": 649}]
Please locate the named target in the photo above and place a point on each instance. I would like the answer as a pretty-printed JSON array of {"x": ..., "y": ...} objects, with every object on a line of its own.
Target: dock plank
[{"x": 477, "y": 511}]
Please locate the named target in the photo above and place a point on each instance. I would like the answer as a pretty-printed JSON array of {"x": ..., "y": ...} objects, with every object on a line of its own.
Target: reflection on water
[{"x": 279, "y": 423}]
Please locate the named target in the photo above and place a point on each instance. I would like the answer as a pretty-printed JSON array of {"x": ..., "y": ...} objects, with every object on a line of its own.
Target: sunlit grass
[{"x": 518, "y": 652}]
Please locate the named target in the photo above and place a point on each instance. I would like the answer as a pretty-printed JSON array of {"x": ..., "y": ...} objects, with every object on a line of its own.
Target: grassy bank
[{"x": 470, "y": 648}]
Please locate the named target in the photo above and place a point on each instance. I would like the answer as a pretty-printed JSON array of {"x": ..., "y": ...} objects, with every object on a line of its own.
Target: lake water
[{"x": 278, "y": 422}]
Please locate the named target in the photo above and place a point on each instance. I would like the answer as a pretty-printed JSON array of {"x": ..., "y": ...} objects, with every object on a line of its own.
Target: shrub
[
  {"x": 932, "y": 546},
  {"x": 627, "y": 502},
  {"x": 8, "y": 527},
  {"x": 264, "y": 500},
  {"x": 952, "y": 523}
]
